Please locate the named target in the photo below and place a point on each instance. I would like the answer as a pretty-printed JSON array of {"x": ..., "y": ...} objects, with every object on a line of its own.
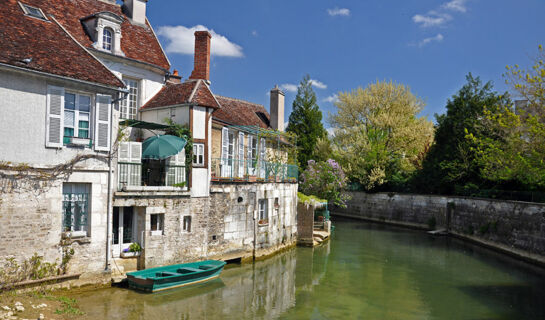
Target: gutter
[{"x": 45, "y": 74}]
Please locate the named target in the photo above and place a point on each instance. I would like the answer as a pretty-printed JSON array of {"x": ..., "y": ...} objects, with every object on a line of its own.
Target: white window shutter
[
  {"x": 124, "y": 152},
  {"x": 54, "y": 127},
  {"x": 102, "y": 131},
  {"x": 224, "y": 143},
  {"x": 241, "y": 162},
  {"x": 136, "y": 152}
]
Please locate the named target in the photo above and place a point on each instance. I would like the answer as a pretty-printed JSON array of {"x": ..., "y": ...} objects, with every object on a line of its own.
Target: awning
[
  {"x": 142, "y": 124},
  {"x": 162, "y": 147}
]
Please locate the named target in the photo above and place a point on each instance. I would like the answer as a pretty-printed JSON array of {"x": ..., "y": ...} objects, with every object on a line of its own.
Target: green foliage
[
  {"x": 515, "y": 153},
  {"x": 306, "y": 122},
  {"x": 135, "y": 247},
  {"x": 181, "y": 131},
  {"x": 379, "y": 139},
  {"x": 68, "y": 306},
  {"x": 33, "y": 268},
  {"x": 325, "y": 180},
  {"x": 303, "y": 198},
  {"x": 451, "y": 161}
]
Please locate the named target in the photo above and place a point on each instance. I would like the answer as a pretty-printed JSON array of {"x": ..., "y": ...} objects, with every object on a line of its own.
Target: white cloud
[
  {"x": 338, "y": 12},
  {"x": 455, "y": 5},
  {"x": 438, "y": 38},
  {"x": 182, "y": 40},
  {"x": 289, "y": 87},
  {"x": 318, "y": 84},
  {"x": 254, "y": 33},
  {"x": 330, "y": 132},
  {"x": 432, "y": 19},
  {"x": 332, "y": 98},
  {"x": 440, "y": 16}
]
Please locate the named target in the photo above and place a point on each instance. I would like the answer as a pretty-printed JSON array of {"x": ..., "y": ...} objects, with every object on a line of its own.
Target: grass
[{"x": 68, "y": 306}]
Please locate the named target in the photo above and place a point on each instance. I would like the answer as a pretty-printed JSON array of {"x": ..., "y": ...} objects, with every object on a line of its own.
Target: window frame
[
  {"x": 108, "y": 46},
  {"x": 196, "y": 154},
  {"x": 77, "y": 114},
  {"x": 263, "y": 212},
  {"x": 85, "y": 227},
  {"x": 27, "y": 10},
  {"x": 186, "y": 224},
  {"x": 125, "y": 108},
  {"x": 159, "y": 224}
]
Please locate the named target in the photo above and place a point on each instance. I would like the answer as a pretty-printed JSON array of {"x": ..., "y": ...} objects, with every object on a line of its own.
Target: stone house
[{"x": 70, "y": 71}]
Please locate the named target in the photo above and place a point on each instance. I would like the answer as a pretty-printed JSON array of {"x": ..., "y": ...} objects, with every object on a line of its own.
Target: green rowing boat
[{"x": 174, "y": 276}]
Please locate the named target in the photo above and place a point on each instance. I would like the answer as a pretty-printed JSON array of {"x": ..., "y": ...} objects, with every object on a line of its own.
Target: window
[
  {"x": 157, "y": 223},
  {"x": 33, "y": 12},
  {"x": 77, "y": 111},
  {"x": 75, "y": 206},
  {"x": 130, "y": 104},
  {"x": 263, "y": 211},
  {"x": 187, "y": 224},
  {"x": 252, "y": 154},
  {"x": 107, "y": 39},
  {"x": 198, "y": 154}
]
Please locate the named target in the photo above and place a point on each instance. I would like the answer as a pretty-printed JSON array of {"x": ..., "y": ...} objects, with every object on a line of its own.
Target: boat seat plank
[
  {"x": 207, "y": 266},
  {"x": 187, "y": 269}
]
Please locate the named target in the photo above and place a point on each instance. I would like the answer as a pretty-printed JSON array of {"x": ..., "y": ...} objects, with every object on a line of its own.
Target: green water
[{"x": 366, "y": 271}]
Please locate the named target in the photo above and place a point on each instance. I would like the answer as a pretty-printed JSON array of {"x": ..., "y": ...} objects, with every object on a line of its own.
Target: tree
[
  {"x": 451, "y": 162},
  {"x": 306, "y": 122},
  {"x": 326, "y": 180},
  {"x": 515, "y": 154},
  {"x": 378, "y": 135}
]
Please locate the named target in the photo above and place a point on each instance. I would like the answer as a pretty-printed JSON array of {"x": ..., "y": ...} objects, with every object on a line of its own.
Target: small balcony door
[
  {"x": 124, "y": 229},
  {"x": 227, "y": 153}
]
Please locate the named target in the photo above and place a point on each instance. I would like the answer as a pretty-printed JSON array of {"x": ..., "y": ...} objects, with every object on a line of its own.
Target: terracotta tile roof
[
  {"x": 137, "y": 42},
  {"x": 189, "y": 92},
  {"x": 51, "y": 48},
  {"x": 242, "y": 113}
]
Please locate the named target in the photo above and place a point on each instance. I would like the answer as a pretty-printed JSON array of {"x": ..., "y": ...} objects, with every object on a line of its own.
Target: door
[
  {"x": 228, "y": 153},
  {"x": 124, "y": 229}
]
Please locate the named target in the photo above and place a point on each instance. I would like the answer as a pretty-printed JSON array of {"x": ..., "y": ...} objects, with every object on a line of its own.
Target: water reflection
[{"x": 365, "y": 272}]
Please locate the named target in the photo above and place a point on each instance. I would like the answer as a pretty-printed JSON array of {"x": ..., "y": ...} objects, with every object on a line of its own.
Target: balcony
[
  {"x": 151, "y": 175},
  {"x": 235, "y": 170}
]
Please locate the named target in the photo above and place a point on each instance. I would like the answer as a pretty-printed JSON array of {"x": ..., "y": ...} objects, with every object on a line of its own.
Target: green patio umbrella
[{"x": 162, "y": 147}]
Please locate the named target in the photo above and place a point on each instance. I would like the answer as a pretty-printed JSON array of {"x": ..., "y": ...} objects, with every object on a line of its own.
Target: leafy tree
[
  {"x": 515, "y": 154},
  {"x": 326, "y": 180},
  {"x": 378, "y": 135},
  {"x": 451, "y": 161},
  {"x": 306, "y": 122}
]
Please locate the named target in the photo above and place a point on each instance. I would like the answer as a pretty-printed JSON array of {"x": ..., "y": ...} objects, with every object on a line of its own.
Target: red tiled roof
[
  {"x": 51, "y": 49},
  {"x": 137, "y": 42},
  {"x": 189, "y": 92},
  {"x": 242, "y": 113}
]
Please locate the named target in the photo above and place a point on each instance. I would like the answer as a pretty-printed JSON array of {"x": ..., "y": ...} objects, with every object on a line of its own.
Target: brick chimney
[
  {"x": 201, "y": 68},
  {"x": 277, "y": 109}
]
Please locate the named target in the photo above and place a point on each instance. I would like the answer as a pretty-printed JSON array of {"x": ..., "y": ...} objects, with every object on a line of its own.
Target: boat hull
[{"x": 174, "y": 276}]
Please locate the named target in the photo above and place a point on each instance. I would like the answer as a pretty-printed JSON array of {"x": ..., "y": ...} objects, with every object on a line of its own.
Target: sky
[{"x": 427, "y": 45}]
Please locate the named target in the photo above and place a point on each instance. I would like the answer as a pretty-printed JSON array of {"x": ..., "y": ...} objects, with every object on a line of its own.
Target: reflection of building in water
[
  {"x": 265, "y": 289},
  {"x": 311, "y": 274}
]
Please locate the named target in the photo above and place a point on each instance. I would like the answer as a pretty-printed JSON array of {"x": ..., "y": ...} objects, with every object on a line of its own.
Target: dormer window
[
  {"x": 107, "y": 39},
  {"x": 33, "y": 11}
]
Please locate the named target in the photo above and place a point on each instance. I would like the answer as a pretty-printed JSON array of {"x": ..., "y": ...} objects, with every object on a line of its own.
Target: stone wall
[
  {"x": 305, "y": 224},
  {"x": 512, "y": 226}
]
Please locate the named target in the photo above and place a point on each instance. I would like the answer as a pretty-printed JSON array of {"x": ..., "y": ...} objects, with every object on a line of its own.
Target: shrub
[{"x": 326, "y": 180}]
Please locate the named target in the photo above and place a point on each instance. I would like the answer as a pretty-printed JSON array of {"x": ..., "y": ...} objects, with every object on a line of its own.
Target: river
[{"x": 366, "y": 271}]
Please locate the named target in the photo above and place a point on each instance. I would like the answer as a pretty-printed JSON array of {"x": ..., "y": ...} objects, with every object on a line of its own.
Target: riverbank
[
  {"x": 39, "y": 304},
  {"x": 511, "y": 227}
]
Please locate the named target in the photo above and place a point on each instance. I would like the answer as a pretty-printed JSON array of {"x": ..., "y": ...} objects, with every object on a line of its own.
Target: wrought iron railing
[
  {"x": 133, "y": 174},
  {"x": 230, "y": 169}
]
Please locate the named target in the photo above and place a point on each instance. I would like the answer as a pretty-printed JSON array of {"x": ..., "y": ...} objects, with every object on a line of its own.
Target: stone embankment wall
[{"x": 514, "y": 227}]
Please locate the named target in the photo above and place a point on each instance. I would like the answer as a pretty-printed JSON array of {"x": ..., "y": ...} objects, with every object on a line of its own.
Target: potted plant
[{"x": 133, "y": 250}]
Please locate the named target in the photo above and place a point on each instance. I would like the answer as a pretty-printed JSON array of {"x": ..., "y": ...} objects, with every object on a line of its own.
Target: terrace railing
[
  {"x": 247, "y": 170},
  {"x": 133, "y": 175}
]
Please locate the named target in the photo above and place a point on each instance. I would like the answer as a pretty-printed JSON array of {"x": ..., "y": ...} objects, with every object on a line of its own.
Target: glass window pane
[
  {"x": 68, "y": 132},
  {"x": 84, "y": 103},
  {"x": 83, "y": 133},
  {"x": 69, "y": 101},
  {"x": 69, "y": 118}
]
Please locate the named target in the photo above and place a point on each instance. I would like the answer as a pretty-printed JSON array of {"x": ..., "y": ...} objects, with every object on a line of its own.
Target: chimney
[
  {"x": 174, "y": 77},
  {"x": 277, "y": 109},
  {"x": 136, "y": 10},
  {"x": 201, "y": 69}
]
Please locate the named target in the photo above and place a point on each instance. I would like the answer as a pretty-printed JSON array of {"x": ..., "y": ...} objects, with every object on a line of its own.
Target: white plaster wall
[
  {"x": 199, "y": 122},
  {"x": 200, "y": 183},
  {"x": 150, "y": 82},
  {"x": 23, "y": 100}
]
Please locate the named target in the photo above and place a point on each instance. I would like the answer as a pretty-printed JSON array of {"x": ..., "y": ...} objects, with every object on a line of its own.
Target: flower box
[{"x": 130, "y": 254}]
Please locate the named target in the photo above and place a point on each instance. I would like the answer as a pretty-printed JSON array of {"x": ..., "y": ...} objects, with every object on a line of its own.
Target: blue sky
[{"x": 427, "y": 45}]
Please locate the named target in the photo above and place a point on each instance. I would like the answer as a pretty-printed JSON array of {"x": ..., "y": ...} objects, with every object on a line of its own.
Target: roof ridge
[{"x": 240, "y": 100}]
